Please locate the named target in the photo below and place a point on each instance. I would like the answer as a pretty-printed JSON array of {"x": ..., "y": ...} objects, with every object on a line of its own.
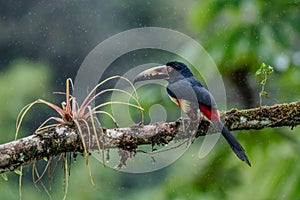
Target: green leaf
[
  {"x": 264, "y": 69},
  {"x": 258, "y": 72},
  {"x": 17, "y": 171},
  {"x": 4, "y": 176},
  {"x": 269, "y": 70},
  {"x": 263, "y": 66},
  {"x": 264, "y": 93}
]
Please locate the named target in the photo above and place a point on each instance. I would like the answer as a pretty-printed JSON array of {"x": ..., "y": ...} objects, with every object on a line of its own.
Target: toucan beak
[{"x": 160, "y": 72}]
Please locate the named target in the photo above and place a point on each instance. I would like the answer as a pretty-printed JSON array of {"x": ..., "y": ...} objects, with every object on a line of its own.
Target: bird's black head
[{"x": 180, "y": 70}]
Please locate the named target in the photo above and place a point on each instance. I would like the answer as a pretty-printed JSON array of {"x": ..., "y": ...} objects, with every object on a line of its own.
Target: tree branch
[{"x": 61, "y": 139}]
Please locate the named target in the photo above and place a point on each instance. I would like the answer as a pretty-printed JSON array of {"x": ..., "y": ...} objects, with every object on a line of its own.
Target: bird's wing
[
  {"x": 192, "y": 90},
  {"x": 204, "y": 97},
  {"x": 190, "y": 95},
  {"x": 182, "y": 93},
  {"x": 182, "y": 89},
  {"x": 207, "y": 103}
]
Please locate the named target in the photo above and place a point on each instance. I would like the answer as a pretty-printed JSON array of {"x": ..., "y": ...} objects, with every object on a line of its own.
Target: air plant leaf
[{"x": 4, "y": 176}]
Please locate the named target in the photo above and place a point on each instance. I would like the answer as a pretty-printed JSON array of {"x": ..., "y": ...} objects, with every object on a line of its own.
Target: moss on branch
[{"x": 54, "y": 141}]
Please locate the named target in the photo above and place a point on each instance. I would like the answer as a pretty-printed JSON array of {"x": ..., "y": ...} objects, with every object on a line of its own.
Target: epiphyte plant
[{"x": 71, "y": 114}]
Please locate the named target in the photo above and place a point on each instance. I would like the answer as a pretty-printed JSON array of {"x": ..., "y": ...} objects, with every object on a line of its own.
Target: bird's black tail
[{"x": 232, "y": 141}]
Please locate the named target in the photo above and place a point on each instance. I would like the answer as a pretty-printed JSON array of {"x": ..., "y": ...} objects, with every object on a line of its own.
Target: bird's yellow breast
[
  {"x": 191, "y": 109},
  {"x": 174, "y": 100}
]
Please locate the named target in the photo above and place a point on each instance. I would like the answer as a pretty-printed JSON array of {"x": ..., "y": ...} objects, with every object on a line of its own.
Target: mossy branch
[{"x": 54, "y": 141}]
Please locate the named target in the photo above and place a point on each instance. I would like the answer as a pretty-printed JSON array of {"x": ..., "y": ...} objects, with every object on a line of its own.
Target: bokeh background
[{"x": 44, "y": 42}]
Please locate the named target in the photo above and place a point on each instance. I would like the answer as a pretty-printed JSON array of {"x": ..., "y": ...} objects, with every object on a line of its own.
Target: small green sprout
[{"x": 264, "y": 71}]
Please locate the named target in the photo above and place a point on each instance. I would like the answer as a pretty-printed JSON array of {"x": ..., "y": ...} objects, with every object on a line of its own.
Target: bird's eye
[{"x": 169, "y": 69}]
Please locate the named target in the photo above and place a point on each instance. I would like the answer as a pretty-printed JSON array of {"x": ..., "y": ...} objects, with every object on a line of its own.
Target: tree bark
[{"x": 56, "y": 140}]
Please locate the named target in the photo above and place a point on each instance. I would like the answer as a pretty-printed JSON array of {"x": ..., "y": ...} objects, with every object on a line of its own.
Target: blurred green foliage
[
  {"x": 246, "y": 33},
  {"x": 23, "y": 82},
  {"x": 239, "y": 35}
]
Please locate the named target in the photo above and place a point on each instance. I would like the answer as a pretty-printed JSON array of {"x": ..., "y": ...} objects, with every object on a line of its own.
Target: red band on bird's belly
[
  {"x": 178, "y": 103},
  {"x": 212, "y": 115}
]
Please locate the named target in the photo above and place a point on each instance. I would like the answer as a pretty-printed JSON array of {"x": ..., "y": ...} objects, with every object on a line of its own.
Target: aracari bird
[{"x": 191, "y": 96}]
